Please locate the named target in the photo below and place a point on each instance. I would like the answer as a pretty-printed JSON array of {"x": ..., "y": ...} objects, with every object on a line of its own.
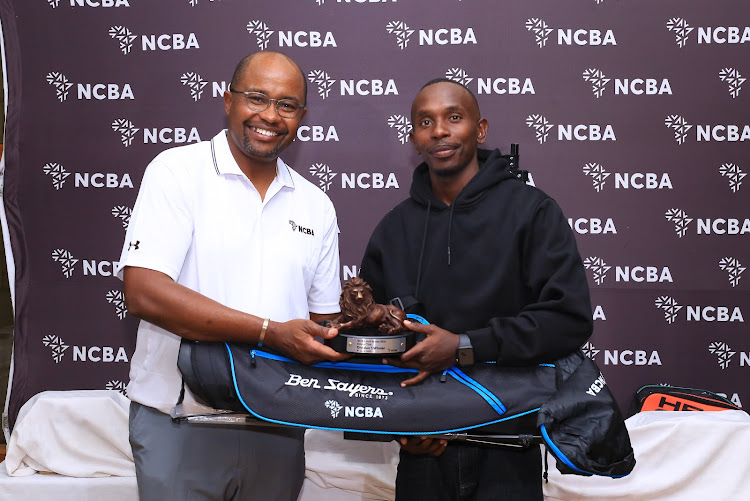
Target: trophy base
[{"x": 370, "y": 342}]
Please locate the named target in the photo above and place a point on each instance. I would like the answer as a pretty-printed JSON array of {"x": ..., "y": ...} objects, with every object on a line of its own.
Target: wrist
[{"x": 465, "y": 351}]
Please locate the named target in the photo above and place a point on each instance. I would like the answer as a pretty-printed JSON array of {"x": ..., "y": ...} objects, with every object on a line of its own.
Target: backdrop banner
[{"x": 634, "y": 115}]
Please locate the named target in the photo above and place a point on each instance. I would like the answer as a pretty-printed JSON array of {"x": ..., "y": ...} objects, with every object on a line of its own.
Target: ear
[
  {"x": 227, "y": 101},
  {"x": 482, "y": 127}
]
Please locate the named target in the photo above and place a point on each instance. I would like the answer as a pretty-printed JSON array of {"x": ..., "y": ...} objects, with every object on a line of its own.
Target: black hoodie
[{"x": 499, "y": 264}]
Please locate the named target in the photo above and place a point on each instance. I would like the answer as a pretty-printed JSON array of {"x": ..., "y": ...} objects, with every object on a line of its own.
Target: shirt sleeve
[{"x": 325, "y": 290}]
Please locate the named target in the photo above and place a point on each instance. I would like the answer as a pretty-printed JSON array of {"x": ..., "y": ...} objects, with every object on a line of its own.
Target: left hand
[{"x": 435, "y": 354}]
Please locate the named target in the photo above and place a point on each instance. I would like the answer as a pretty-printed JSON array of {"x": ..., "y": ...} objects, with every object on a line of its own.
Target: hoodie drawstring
[
  {"x": 421, "y": 252},
  {"x": 450, "y": 222}
]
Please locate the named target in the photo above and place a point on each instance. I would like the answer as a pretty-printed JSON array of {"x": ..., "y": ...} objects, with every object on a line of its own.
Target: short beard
[
  {"x": 250, "y": 151},
  {"x": 450, "y": 171}
]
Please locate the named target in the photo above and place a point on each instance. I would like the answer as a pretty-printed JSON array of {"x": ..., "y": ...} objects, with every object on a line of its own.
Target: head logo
[
  {"x": 680, "y": 126},
  {"x": 670, "y": 307},
  {"x": 334, "y": 407},
  {"x": 598, "y": 174},
  {"x": 117, "y": 299},
  {"x": 402, "y": 126},
  {"x": 680, "y": 220},
  {"x": 195, "y": 83},
  {"x": 58, "y": 174},
  {"x": 598, "y": 267},
  {"x": 723, "y": 352},
  {"x": 458, "y": 75},
  {"x": 66, "y": 260},
  {"x": 324, "y": 174},
  {"x": 598, "y": 81},
  {"x": 681, "y": 29},
  {"x": 321, "y": 79},
  {"x": 590, "y": 350},
  {"x": 734, "y": 79},
  {"x": 122, "y": 212},
  {"x": 124, "y": 36},
  {"x": 541, "y": 127},
  {"x": 126, "y": 129},
  {"x": 117, "y": 385},
  {"x": 733, "y": 267},
  {"x": 61, "y": 84},
  {"x": 735, "y": 175},
  {"x": 402, "y": 32},
  {"x": 261, "y": 32},
  {"x": 57, "y": 346},
  {"x": 540, "y": 29}
]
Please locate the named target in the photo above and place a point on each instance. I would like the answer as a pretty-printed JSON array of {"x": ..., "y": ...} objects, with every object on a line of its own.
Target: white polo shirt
[{"x": 201, "y": 221}]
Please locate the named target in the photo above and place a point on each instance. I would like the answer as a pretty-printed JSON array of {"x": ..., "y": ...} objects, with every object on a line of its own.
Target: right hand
[
  {"x": 296, "y": 339},
  {"x": 423, "y": 445}
]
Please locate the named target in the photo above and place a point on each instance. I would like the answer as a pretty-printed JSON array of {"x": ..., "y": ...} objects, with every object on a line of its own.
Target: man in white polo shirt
[{"x": 227, "y": 243}]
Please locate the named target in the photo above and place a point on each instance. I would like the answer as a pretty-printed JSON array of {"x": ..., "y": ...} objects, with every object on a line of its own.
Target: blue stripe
[
  {"x": 418, "y": 318},
  {"x": 481, "y": 390},
  {"x": 562, "y": 457}
]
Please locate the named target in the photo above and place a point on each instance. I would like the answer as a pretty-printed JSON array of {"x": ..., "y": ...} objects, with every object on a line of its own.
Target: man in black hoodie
[{"x": 493, "y": 265}]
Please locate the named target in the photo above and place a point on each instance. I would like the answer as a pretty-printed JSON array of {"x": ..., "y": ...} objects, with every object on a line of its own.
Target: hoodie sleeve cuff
[{"x": 486, "y": 347}]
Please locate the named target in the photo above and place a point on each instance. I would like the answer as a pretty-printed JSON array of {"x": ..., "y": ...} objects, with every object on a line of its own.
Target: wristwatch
[{"x": 465, "y": 352}]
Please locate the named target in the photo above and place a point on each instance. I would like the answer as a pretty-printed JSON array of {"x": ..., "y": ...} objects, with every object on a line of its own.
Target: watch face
[{"x": 465, "y": 356}]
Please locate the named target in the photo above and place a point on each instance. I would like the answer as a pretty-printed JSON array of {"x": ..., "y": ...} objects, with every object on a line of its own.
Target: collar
[{"x": 225, "y": 164}]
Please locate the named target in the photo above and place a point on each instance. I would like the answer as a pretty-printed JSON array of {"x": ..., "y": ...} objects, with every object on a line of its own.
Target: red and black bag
[{"x": 654, "y": 397}]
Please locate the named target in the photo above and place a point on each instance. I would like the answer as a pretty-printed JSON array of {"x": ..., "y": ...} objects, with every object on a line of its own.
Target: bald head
[
  {"x": 446, "y": 81},
  {"x": 247, "y": 63}
]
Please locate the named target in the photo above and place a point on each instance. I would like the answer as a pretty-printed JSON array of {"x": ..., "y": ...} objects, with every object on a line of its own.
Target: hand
[
  {"x": 435, "y": 354},
  {"x": 423, "y": 445},
  {"x": 296, "y": 339}
]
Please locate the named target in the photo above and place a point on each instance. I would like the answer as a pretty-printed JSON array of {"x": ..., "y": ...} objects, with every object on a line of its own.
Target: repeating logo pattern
[
  {"x": 590, "y": 350},
  {"x": 734, "y": 79},
  {"x": 670, "y": 307},
  {"x": 116, "y": 384},
  {"x": 402, "y": 32},
  {"x": 54, "y": 3},
  {"x": 57, "y": 345},
  {"x": 541, "y": 127},
  {"x": 123, "y": 213},
  {"x": 117, "y": 299},
  {"x": 334, "y": 407},
  {"x": 735, "y": 175},
  {"x": 58, "y": 173},
  {"x": 680, "y": 126},
  {"x": 598, "y": 267},
  {"x": 540, "y": 29},
  {"x": 126, "y": 129},
  {"x": 680, "y": 220},
  {"x": 324, "y": 174},
  {"x": 61, "y": 84},
  {"x": 262, "y": 33},
  {"x": 66, "y": 260},
  {"x": 124, "y": 36},
  {"x": 458, "y": 75},
  {"x": 598, "y": 175},
  {"x": 402, "y": 126},
  {"x": 195, "y": 82},
  {"x": 323, "y": 82},
  {"x": 681, "y": 29},
  {"x": 733, "y": 267},
  {"x": 723, "y": 352},
  {"x": 598, "y": 81}
]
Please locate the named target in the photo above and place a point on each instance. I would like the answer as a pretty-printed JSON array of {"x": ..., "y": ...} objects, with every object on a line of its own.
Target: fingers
[
  {"x": 421, "y": 376},
  {"x": 423, "y": 445},
  {"x": 417, "y": 326}
]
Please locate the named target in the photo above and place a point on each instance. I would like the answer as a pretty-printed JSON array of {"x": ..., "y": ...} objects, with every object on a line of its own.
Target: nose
[
  {"x": 359, "y": 294},
  {"x": 270, "y": 114},
  {"x": 440, "y": 129}
]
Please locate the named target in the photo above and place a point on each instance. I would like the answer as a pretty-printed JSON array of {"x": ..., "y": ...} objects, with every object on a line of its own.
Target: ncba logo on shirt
[
  {"x": 264, "y": 35},
  {"x": 431, "y": 36},
  {"x": 721, "y": 226},
  {"x": 707, "y": 133},
  {"x": 600, "y": 178},
  {"x": 500, "y": 85},
  {"x": 639, "y": 273},
  {"x": 351, "y": 87},
  {"x": 127, "y": 40},
  {"x": 154, "y": 135},
  {"x": 543, "y": 33},
  {"x": 684, "y": 33},
  {"x": 88, "y": 91},
  {"x": 698, "y": 313},
  {"x": 570, "y": 132},
  {"x": 326, "y": 179}
]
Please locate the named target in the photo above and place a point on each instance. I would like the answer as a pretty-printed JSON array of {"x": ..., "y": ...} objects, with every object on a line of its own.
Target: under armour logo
[{"x": 134, "y": 245}]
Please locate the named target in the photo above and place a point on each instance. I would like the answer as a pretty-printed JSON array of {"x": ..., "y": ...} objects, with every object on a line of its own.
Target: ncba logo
[
  {"x": 117, "y": 385},
  {"x": 153, "y": 42},
  {"x": 592, "y": 226},
  {"x": 432, "y": 36},
  {"x": 117, "y": 299},
  {"x": 321, "y": 2},
  {"x": 402, "y": 125},
  {"x": 568, "y": 36},
  {"x": 91, "y": 267},
  {"x": 707, "y": 226},
  {"x": 195, "y": 83},
  {"x": 95, "y": 354},
  {"x": 493, "y": 85},
  {"x": 263, "y": 35},
  {"x": 698, "y": 313},
  {"x": 621, "y": 357},
  {"x": 707, "y": 34},
  {"x": 579, "y": 132},
  {"x": 91, "y": 3},
  {"x": 59, "y": 175},
  {"x": 724, "y": 354},
  {"x": 88, "y": 91},
  {"x": 363, "y": 180},
  {"x": 626, "y": 86},
  {"x": 624, "y": 180},
  {"x": 733, "y": 268},
  {"x": 706, "y": 133},
  {"x": 350, "y": 87},
  {"x": 637, "y": 274},
  {"x": 353, "y": 411},
  {"x": 155, "y": 135}
]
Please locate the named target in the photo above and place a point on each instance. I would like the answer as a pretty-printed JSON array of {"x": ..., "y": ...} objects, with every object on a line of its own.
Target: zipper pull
[
  {"x": 444, "y": 376},
  {"x": 252, "y": 358}
]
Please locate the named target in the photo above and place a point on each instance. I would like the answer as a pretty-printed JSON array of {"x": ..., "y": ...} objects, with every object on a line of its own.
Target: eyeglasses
[{"x": 257, "y": 101}]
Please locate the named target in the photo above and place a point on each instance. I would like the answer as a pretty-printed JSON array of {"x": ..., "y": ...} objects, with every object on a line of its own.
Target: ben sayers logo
[
  {"x": 627, "y": 180},
  {"x": 579, "y": 132},
  {"x": 707, "y": 226},
  {"x": 698, "y": 313},
  {"x": 568, "y": 36},
  {"x": 492, "y": 85},
  {"x": 683, "y": 33},
  {"x": 363, "y": 87},
  {"x": 432, "y": 36},
  {"x": 351, "y": 389},
  {"x": 165, "y": 41},
  {"x": 706, "y": 133},
  {"x": 84, "y": 353},
  {"x": 353, "y": 411},
  {"x": 263, "y": 36},
  {"x": 154, "y": 135},
  {"x": 637, "y": 274},
  {"x": 362, "y": 180},
  {"x": 88, "y": 91},
  {"x": 626, "y": 86}
]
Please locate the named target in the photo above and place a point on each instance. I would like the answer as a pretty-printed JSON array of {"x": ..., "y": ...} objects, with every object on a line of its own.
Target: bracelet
[{"x": 263, "y": 332}]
